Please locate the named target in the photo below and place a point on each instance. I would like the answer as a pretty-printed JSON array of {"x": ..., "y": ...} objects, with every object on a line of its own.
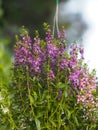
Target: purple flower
[
  {"x": 61, "y": 34},
  {"x": 36, "y": 46},
  {"x": 63, "y": 63},
  {"x": 27, "y": 40},
  {"x": 74, "y": 78},
  {"x": 73, "y": 62},
  {"x": 62, "y": 50},
  {"x": 74, "y": 49},
  {"x": 52, "y": 50},
  {"x": 36, "y": 63},
  {"x": 51, "y": 75},
  {"x": 22, "y": 50},
  {"x": 81, "y": 50},
  {"x": 49, "y": 36}
]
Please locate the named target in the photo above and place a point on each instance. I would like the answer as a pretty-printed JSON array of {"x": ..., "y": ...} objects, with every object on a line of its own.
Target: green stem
[
  {"x": 29, "y": 92},
  {"x": 12, "y": 121},
  {"x": 31, "y": 105},
  {"x": 21, "y": 98},
  {"x": 54, "y": 111}
]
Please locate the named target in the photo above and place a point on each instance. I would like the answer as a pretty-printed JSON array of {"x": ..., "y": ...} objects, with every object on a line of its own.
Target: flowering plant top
[{"x": 60, "y": 90}]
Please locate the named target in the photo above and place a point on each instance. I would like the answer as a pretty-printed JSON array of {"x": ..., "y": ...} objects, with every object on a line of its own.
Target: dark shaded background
[{"x": 30, "y": 13}]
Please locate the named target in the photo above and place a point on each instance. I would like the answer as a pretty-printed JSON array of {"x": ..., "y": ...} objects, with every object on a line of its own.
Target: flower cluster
[
  {"x": 49, "y": 59},
  {"x": 86, "y": 94}
]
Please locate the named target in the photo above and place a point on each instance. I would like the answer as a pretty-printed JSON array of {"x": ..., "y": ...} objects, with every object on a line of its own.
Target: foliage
[
  {"x": 52, "y": 88},
  {"x": 5, "y": 58},
  {"x": 5, "y": 63}
]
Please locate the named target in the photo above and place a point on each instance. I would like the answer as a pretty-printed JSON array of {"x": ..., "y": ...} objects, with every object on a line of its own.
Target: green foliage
[
  {"x": 5, "y": 59},
  {"x": 5, "y": 64},
  {"x": 39, "y": 103}
]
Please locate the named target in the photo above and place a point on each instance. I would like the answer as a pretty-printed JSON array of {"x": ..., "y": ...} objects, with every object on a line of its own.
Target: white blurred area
[{"x": 88, "y": 10}]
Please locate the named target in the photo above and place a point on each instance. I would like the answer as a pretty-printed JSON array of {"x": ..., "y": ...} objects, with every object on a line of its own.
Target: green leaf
[
  {"x": 31, "y": 100},
  {"x": 60, "y": 85},
  {"x": 40, "y": 114},
  {"x": 69, "y": 113},
  {"x": 53, "y": 123},
  {"x": 35, "y": 95},
  {"x": 66, "y": 94},
  {"x": 76, "y": 121},
  {"x": 37, "y": 124}
]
